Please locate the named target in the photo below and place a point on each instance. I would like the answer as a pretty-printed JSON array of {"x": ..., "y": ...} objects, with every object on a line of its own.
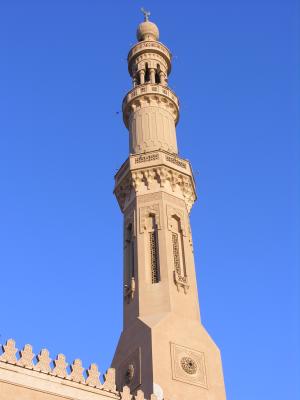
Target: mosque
[{"x": 164, "y": 352}]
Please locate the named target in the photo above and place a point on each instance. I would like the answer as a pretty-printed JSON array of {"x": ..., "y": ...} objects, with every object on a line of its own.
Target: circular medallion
[{"x": 188, "y": 365}]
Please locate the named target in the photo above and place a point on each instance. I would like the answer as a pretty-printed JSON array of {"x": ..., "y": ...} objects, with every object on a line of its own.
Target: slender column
[
  {"x": 152, "y": 75},
  {"x": 162, "y": 78},
  {"x": 142, "y": 76}
]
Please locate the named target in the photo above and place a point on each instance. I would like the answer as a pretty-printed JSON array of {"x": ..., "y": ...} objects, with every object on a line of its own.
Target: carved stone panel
[
  {"x": 147, "y": 211},
  {"x": 129, "y": 372},
  {"x": 171, "y": 211},
  {"x": 188, "y": 365}
]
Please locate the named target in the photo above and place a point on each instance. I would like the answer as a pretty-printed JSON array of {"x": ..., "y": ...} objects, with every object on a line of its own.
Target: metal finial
[{"x": 146, "y": 14}]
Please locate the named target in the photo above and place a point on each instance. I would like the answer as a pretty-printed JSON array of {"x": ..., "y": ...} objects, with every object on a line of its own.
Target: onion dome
[{"x": 147, "y": 30}]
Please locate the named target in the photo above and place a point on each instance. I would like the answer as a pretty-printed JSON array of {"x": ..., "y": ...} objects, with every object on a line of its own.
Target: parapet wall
[{"x": 24, "y": 375}]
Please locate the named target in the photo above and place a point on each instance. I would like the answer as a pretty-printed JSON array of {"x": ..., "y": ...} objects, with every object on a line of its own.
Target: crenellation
[
  {"x": 139, "y": 395},
  {"x": 93, "y": 376},
  {"x": 125, "y": 394},
  {"x": 60, "y": 366},
  {"x": 9, "y": 352},
  {"x": 110, "y": 380},
  {"x": 77, "y": 369},
  {"x": 43, "y": 361},
  {"x": 26, "y": 357}
]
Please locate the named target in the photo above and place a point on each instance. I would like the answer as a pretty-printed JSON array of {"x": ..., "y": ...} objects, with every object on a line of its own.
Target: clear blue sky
[{"x": 63, "y": 75}]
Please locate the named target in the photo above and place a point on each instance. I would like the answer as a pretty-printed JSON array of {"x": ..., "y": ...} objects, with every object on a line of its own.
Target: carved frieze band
[{"x": 157, "y": 174}]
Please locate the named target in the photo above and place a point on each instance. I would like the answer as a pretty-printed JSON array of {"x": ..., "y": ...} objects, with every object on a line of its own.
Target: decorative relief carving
[
  {"x": 148, "y": 44},
  {"x": 129, "y": 372},
  {"x": 171, "y": 212},
  {"x": 188, "y": 365},
  {"x": 145, "y": 212},
  {"x": 157, "y": 174},
  {"x": 146, "y": 158},
  {"x": 181, "y": 281},
  {"x": 176, "y": 161},
  {"x": 129, "y": 290},
  {"x": 177, "y": 226}
]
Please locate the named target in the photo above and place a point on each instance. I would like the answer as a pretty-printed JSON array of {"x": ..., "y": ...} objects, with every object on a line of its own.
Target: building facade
[{"x": 164, "y": 352}]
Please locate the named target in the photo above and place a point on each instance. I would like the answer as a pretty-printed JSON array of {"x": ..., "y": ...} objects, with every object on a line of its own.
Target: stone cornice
[
  {"x": 152, "y": 172},
  {"x": 149, "y": 46}
]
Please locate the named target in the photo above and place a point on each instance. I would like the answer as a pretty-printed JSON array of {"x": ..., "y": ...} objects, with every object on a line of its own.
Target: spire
[{"x": 150, "y": 103}]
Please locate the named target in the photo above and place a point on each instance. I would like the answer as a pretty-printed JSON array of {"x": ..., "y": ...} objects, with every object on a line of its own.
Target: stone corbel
[
  {"x": 148, "y": 177},
  {"x": 162, "y": 176},
  {"x": 174, "y": 180},
  {"x": 136, "y": 179}
]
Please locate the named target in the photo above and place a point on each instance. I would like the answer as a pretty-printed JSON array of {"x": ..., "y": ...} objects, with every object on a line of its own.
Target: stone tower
[{"x": 163, "y": 348}]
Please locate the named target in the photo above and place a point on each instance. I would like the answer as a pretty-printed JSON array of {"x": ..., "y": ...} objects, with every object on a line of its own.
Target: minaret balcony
[
  {"x": 150, "y": 94},
  {"x": 155, "y": 171},
  {"x": 149, "y": 47}
]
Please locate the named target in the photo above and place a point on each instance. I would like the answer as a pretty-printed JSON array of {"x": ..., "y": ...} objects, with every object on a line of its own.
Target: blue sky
[{"x": 63, "y": 75}]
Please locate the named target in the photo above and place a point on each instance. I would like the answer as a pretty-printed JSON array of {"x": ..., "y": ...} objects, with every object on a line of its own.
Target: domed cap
[{"x": 147, "y": 30}]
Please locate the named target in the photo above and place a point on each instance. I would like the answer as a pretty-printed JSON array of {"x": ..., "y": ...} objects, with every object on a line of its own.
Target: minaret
[{"x": 164, "y": 348}]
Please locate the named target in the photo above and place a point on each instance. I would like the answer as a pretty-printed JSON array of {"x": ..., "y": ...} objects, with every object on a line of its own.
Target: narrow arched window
[
  {"x": 129, "y": 254},
  {"x": 178, "y": 248},
  {"x": 154, "y": 251},
  {"x": 157, "y": 74},
  {"x": 147, "y": 73}
]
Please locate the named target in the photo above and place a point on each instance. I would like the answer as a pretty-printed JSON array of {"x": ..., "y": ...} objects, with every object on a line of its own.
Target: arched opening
[
  {"x": 178, "y": 247},
  {"x": 157, "y": 74},
  {"x": 154, "y": 251},
  {"x": 147, "y": 73},
  {"x": 129, "y": 254}
]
